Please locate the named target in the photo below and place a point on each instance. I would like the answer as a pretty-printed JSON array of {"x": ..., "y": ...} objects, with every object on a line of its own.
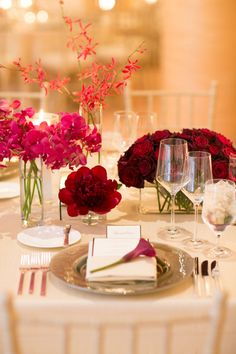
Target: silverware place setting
[
  {"x": 206, "y": 276},
  {"x": 34, "y": 262}
]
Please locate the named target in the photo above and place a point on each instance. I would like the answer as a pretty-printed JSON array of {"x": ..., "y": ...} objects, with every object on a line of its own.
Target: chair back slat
[
  {"x": 112, "y": 333},
  {"x": 176, "y": 109}
]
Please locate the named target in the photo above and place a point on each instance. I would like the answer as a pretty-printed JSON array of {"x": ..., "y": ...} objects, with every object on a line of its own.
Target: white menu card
[
  {"x": 104, "y": 251},
  {"x": 123, "y": 231}
]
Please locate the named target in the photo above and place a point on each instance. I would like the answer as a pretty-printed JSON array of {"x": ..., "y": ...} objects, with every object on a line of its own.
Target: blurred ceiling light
[
  {"x": 25, "y": 3},
  {"x": 106, "y": 4},
  {"x": 5, "y": 4},
  {"x": 151, "y": 1},
  {"x": 42, "y": 16},
  {"x": 29, "y": 17}
]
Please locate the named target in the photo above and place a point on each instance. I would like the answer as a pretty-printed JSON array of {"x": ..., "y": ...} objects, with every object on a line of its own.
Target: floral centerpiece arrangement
[
  {"x": 138, "y": 164},
  {"x": 65, "y": 143},
  {"x": 69, "y": 142}
]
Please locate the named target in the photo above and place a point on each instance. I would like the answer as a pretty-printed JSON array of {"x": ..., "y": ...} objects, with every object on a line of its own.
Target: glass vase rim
[
  {"x": 202, "y": 154},
  {"x": 142, "y": 113},
  {"x": 178, "y": 140},
  {"x": 125, "y": 113}
]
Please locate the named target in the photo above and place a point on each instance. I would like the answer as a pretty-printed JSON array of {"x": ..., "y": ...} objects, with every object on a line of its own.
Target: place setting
[{"x": 121, "y": 266}]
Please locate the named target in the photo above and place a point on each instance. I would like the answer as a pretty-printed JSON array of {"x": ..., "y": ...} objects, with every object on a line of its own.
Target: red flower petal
[{"x": 65, "y": 196}]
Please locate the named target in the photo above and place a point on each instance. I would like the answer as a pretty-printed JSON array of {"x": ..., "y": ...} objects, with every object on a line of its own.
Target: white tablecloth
[{"x": 62, "y": 300}]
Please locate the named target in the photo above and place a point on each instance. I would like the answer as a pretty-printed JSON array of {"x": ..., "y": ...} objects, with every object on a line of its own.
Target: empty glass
[
  {"x": 146, "y": 123},
  {"x": 172, "y": 174},
  {"x": 124, "y": 128},
  {"x": 200, "y": 171},
  {"x": 219, "y": 211},
  {"x": 118, "y": 139}
]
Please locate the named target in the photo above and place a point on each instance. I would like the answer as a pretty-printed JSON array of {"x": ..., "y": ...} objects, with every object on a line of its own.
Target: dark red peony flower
[{"x": 89, "y": 190}]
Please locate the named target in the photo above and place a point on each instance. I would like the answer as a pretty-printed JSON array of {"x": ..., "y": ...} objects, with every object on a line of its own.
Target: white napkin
[{"x": 106, "y": 251}]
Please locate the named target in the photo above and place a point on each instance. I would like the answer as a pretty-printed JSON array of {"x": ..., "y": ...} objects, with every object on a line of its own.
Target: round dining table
[{"x": 62, "y": 299}]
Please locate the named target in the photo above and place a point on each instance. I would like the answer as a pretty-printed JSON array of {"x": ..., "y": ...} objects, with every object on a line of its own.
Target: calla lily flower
[{"x": 143, "y": 248}]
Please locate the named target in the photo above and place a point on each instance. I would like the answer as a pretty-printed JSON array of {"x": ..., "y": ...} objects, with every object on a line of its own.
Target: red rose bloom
[
  {"x": 143, "y": 148},
  {"x": 201, "y": 142},
  {"x": 139, "y": 162},
  {"x": 214, "y": 150},
  {"x": 220, "y": 169},
  {"x": 89, "y": 190}
]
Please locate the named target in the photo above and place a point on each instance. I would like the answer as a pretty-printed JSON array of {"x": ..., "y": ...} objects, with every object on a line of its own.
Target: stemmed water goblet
[
  {"x": 200, "y": 171},
  {"x": 172, "y": 174},
  {"x": 219, "y": 211}
]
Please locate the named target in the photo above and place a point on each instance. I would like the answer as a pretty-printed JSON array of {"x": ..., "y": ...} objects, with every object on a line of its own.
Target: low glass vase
[
  {"x": 92, "y": 218},
  {"x": 154, "y": 199}
]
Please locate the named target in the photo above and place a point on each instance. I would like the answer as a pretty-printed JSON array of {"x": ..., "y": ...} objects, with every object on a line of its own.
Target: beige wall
[{"x": 198, "y": 44}]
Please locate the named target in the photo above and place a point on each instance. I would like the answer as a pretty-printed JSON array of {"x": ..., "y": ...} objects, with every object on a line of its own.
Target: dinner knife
[
  {"x": 197, "y": 284},
  {"x": 66, "y": 235},
  {"x": 215, "y": 273},
  {"x": 206, "y": 278}
]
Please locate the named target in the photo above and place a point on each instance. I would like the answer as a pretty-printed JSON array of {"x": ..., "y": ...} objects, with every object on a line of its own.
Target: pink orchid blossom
[{"x": 63, "y": 144}]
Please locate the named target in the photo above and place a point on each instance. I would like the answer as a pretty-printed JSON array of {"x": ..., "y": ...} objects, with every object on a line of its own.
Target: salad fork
[
  {"x": 34, "y": 265},
  {"x": 24, "y": 267}
]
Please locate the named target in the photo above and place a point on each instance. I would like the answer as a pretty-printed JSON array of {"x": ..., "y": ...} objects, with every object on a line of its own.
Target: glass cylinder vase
[
  {"x": 31, "y": 192},
  {"x": 94, "y": 119}
]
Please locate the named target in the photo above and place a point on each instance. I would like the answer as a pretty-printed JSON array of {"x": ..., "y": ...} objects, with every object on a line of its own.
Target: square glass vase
[{"x": 154, "y": 199}]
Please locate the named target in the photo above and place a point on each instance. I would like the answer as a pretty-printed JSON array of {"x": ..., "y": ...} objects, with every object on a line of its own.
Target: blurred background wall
[{"x": 189, "y": 43}]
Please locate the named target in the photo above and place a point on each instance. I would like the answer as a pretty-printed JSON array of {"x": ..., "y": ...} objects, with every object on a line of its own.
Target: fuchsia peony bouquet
[{"x": 138, "y": 164}]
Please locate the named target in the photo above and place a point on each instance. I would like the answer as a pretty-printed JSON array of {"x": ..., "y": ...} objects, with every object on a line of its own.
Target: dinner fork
[
  {"x": 24, "y": 266},
  {"x": 45, "y": 260},
  {"x": 34, "y": 265}
]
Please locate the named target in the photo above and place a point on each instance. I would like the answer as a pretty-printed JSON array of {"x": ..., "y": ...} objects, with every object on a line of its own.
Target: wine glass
[
  {"x": 172, "y": 174},
  {"x": 146, "y": 123},
  {"x": 200, "y": 171},
  {"x": 232, "y": 167},
  {"x": 125, "y": 127},
  {"x": 219, "y": 211},
  {"x": 118, "y": 138}
]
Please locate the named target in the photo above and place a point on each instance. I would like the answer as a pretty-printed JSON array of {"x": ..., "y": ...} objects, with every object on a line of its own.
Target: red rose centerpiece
[
  {"x": 137, "y": 166},
  {"x": 89, "y": 192}
]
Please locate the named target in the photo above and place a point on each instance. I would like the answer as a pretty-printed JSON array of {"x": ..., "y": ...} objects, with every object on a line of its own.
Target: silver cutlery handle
[
  {"x": 43, "y": 283},
  {"x": 207, "y": 285},
  {"x": 197, "y": 285},
  {"x": 32, "y": 281},
  {"x": 21, "y": 283}
]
